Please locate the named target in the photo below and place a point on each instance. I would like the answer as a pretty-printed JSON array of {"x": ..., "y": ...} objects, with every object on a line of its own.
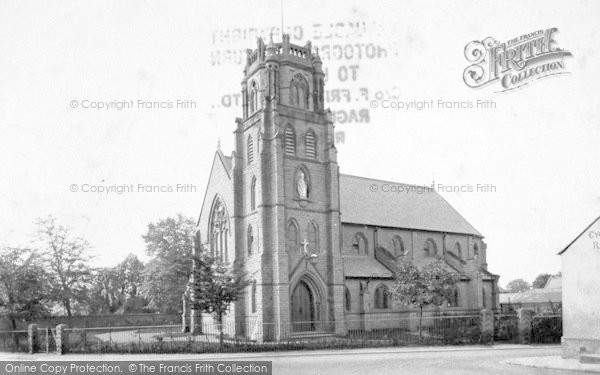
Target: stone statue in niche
[{"x": 302, "y": 186}]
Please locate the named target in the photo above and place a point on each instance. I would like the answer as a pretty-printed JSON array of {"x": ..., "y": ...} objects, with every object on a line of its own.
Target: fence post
[
  {"x": 525, "y": 318},
  {"x": 33, "y": 338},
  {"x": 62, "y": 339},
  {"x": 487, "y": 326}
]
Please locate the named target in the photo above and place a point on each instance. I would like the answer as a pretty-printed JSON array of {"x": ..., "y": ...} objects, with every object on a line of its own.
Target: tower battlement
[
  {"x": 287, "y": 74},
  {"x": 282, "y": 52}
]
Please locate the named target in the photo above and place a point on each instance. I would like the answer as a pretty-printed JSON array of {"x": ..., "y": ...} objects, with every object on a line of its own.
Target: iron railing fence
[
  {"x": 506, "y": 327},
  {"x": 103, "y": 320},
  {"x": 546, "y": 329},
  {"x": 454, "y": 330},
  {"x": 252, "y": 335},
  {"x": 13, "y": 341},
  {"x": 47, "y": 339}
]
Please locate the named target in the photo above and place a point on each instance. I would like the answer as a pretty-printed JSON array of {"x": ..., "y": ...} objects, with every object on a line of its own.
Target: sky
[{"x": 178, "y": 67}]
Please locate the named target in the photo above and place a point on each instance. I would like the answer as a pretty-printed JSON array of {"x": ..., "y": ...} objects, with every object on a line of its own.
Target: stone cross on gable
[{"x": 304, "y": 244}]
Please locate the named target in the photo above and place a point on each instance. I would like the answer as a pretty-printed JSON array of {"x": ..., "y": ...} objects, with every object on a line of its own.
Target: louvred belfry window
[{"x": 290, "y": 141}]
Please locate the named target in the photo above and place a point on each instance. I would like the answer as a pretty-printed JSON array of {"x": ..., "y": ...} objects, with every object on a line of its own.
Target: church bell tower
[{"x": 286, "y": 188}]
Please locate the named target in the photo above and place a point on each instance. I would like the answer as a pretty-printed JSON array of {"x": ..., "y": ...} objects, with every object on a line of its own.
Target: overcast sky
[{"x": 539, "y": 147}]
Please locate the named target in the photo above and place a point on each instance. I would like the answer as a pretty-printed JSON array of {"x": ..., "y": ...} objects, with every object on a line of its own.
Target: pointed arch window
[
  {"x": 458, "y": 250},
  {"x": 301, "y": 101},
  {"x": 253, "y": 194},
  {"x": 312, "y": 234},
  {"x": 219, "y": 232},
  {"x": 250, "y": 240},
  {"x": 299, "y": 89},
  {"x": 430, "y": 248},
  {"x": 292, "y": 237},
  {"x": 382, "y": 297},
  {"x": 347, "y": 299},
  {"x": 310, "y": 144},
  {"x": 359, "y": 244},
  {"x": 398, "y": 246},
  {"x": 290, "y": 141},
  {"x": 253, "y": 97},
  {"x": 296, "y": 94}
]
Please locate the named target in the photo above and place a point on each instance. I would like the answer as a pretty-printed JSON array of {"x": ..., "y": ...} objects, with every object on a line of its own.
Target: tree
[
  {"x": 215, "y": 287},
  {"x": 66, "y": 259},
  {"x": 23, "y": 285},
  {"x": 170, "y": 243},
  {"x": 115, "y": 290},
  {"x": 431, "y": 285},
  {"x": 129, "y": 280},
  {"x": 541, "y": 280},
  {"x": 518, "y": 285},
  {"x": 170, "y": 236}
]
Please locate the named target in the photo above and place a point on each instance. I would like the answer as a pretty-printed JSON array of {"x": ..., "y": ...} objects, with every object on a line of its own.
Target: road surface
[{"x": 477, "y": 360}]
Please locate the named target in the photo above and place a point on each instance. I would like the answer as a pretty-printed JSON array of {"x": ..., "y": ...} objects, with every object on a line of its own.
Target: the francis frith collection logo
[{"x": 514, "y": 63}]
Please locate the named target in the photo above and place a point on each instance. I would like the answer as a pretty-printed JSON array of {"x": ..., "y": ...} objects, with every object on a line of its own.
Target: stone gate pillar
[
  {"x": 33, "y": 338},
  {"x": 62, "y": 339},
  {"x": 487, "y": 326}
]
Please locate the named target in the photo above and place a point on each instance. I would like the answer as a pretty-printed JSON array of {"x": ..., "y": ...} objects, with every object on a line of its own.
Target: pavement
[
  {"x": 447, "y": 360},
  {"x": 267, "y": 355},
  {"x": 557, "y": 363}
]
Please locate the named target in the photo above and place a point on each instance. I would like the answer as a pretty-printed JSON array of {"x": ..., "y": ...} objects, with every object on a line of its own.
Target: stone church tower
[
  {"x": 274, "y": 207},
  {"x": 286, "y": 196}
]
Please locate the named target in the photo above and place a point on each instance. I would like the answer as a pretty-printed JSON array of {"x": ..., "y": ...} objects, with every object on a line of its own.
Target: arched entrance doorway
[{"x": 303, "y": 308}]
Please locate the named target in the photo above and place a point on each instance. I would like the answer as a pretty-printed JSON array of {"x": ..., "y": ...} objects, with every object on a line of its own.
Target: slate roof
[
  {"x": 365, "y": 266},
  {"x": 417, "y": 209},
  {"x": 226, "y": 160},
  {"x": 554, "y": 282},
  {"x": 532, "y": 296}
]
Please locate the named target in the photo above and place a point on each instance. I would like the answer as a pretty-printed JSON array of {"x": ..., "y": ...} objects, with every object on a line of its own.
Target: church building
[{"x": 320, "y": 247}]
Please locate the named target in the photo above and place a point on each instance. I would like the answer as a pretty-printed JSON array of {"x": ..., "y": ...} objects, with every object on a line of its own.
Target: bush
[
  {"x": 457, "y": 331},
  {"x": 546, "y": 330},
  {"x": 506, "y": 328}
]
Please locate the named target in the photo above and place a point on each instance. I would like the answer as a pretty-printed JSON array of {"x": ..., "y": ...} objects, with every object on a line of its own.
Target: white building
[{"x": 581, "y": 293}]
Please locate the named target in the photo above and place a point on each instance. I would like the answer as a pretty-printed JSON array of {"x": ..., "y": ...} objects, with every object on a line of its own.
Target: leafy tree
[
  {"x": 433, "y": 284},
  {"x": 66, "y": 259},
  {"x": 518, "y": 285},
  {"x": 169, "y": 237},
  {"x": 129, "y": 275},
  {"x": 115, "y": 290},
  {"x": 215, "y": 286},
  {"x": 23, "y": 285},
  {"x": 170, "y": 243},
  {"x": 103, "y": 296},
  {"x": 128, "y": 282},
  {"x": 541, "y": 280}
]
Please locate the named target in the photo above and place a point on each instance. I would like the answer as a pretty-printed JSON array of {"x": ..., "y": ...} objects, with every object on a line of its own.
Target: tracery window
[{"x": 219, "y": 232}]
